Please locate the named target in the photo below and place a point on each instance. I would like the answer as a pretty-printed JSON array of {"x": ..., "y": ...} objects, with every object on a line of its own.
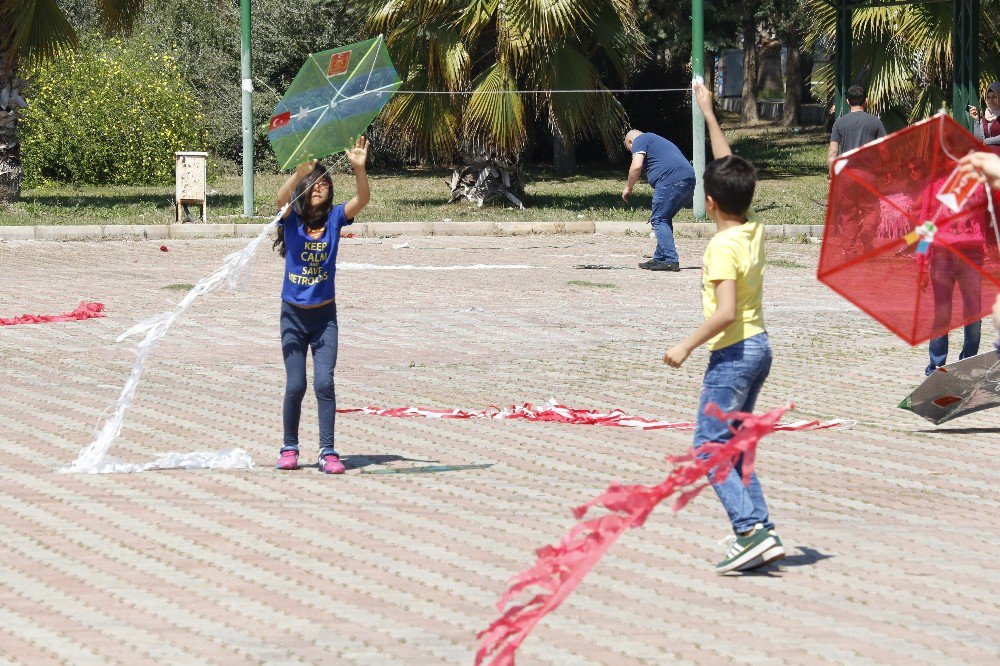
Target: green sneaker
[
  {"x": 744, "y": 550},
  {"x": 772, "y": 554}
]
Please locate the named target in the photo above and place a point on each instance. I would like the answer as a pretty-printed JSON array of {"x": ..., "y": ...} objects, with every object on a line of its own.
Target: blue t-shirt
[
  {"x": 310, "y": 263},
  {"x": 665, "y": 163}
]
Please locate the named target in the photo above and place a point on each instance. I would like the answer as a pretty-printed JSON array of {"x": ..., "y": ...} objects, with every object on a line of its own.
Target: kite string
[
  {"x": 540, "y": 91},
  {"x": 989, "y": 191},
  {"x": 234, "y": 272}
]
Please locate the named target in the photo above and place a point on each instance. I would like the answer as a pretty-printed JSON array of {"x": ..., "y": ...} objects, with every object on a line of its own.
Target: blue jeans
[
  {"x": 302, "y": 328},
  {"x": 733, "y": 379},
  {"x": 667, "y": 202},
  {"x": 946, "y": 271}
]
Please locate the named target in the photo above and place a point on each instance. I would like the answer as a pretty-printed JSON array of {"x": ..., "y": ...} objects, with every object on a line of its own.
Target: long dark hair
[{"x": 311, "y": 217}]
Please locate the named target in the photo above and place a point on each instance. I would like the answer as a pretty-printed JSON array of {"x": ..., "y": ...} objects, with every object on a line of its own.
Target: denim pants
[
  {"x": 733, "y": 379},
  {"x": 947, "y": 270},
  {"x": 302, "y": 329},
  {"x": 667, "y": 202}
]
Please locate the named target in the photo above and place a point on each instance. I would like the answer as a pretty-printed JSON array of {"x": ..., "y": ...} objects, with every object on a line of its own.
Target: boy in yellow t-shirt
[{"x": 732, "y": 295}]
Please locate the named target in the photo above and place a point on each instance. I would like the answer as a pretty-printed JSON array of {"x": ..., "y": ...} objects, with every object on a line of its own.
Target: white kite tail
[{"x": 93, "y": 459}]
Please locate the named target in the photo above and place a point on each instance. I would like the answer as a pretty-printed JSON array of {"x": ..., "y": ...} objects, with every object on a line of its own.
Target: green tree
[
  {"x": 30, "y": 30},
  {"x": 112, "y": 111},
  {"x": 903, "y": 55},
  {"x": 488, "y": 48}
]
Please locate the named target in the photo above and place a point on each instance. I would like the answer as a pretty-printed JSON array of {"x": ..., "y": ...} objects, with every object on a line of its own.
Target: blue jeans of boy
[
  {"x": 302, "y": 329},
  {"x": 733, "y": 379},
  {"x": 667, "y": 202}
]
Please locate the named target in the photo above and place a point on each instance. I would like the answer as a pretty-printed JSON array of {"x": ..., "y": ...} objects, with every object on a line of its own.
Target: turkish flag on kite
[{"x": 906, "y": 239}]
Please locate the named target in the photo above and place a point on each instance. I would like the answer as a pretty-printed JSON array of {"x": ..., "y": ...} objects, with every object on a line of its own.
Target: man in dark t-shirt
[
  {"x": 853, "y": 130},
  {"x": 670, "y": 175}
]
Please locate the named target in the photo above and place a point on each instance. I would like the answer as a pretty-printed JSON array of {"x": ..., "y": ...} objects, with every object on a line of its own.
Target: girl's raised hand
[
  {"x": 305, "y": 168},
  {"x": 358, "y": 155}
]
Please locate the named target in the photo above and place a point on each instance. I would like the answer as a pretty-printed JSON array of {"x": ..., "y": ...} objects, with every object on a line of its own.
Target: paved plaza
[{"x": 891, "y": 525}]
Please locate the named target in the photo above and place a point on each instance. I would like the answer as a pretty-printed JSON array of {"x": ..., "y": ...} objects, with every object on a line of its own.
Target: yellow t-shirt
[{"x": 736, "y": 254}]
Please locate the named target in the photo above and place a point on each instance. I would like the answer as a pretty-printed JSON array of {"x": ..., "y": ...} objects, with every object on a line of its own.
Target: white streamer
[
  {"x": 474, "y": 267},
  {"x": 229, "y": 459},
  {"x": 234, "y": 272}
]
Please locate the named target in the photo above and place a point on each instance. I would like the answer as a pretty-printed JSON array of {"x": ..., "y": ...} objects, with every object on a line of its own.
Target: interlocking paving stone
[{"x": 891, "y": 525}]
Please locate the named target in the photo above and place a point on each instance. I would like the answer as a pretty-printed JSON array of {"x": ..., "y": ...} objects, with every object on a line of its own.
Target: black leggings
[{"x": 302, "y": 328}]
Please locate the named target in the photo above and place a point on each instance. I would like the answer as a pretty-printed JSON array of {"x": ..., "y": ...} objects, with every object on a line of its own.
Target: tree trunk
[
  {"x": 749, "y": 63},
  {"x": 563, "y": 152},
  {"x": 793, "y": 81},
  {"x": 11, "y": 101}
]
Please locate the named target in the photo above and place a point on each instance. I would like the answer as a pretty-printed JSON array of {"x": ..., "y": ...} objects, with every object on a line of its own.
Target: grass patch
[
  {"x": 792, "y": 190},
  {"x": 596, "y": 285},
  {"x": 179, "y": 287},
  {"x": 784, "y": 263}
]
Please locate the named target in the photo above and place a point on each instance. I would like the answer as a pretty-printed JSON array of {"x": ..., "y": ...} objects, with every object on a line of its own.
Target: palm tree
[
  {"x": 31, "y": 29},
  {"x": 482, "y": 49},
  {"x": 903, "y": 55}
]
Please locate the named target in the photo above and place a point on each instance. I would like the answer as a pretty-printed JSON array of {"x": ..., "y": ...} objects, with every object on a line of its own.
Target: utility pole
[
  {"x": 697, "y": 119},
  {"x": 247, "y": 87}
]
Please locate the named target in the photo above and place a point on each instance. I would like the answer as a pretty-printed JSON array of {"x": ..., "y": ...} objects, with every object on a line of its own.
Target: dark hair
[
  {"x": 730, "y": 181},
  {"x": 856, "y": 96},
  {"x": 311, "y": 217}
]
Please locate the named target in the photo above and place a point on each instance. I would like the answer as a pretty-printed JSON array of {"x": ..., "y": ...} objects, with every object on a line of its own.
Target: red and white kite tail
[{"x": 560, "y": 568}]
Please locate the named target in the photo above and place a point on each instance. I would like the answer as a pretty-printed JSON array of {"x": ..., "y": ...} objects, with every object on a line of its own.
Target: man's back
[
  {"x": 855, "y": 129},
  {"x": 664, "y": 162}
]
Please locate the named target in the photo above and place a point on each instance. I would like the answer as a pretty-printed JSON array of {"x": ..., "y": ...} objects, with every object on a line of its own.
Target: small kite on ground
[{"x": 957, "y": 389}]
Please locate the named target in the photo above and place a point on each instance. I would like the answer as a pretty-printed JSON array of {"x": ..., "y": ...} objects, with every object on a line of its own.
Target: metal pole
[
  {"x": 697, "y": 119},
  {"x": 965, "y": 59},
  {"x": 842, "y": 56},
  {"x": 247, "y": 87}
]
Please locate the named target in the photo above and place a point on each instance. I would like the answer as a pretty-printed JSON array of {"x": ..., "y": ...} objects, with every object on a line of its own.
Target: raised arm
[
  {"x": 703, "y": 96},
  {"x": 358, "y": 156},
  {"x": 287, "y": 189}
]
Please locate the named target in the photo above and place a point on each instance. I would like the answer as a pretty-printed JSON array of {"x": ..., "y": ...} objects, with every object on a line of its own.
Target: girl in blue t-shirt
[{"x": 307, "y": 238}]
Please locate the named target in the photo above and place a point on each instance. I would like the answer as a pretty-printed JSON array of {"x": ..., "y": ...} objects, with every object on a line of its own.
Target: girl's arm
[
  {"x": 287, "y": 190},
  {"x": 357, "y": 156}
]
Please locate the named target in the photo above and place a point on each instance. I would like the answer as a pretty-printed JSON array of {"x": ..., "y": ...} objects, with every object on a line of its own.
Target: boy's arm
[
  {"x": 724, "y": 315},
  {"x": 703, "y": 96},
  {"x": 357, "y": 156},
  {"x": 287, "y": 189}
]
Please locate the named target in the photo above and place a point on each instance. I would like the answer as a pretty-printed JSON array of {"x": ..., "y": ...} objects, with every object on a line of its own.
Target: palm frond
[
  {"x": 493, "y": 117},
  {"x": 119, "y": 15},
  {"x": 477, "y": 17},
  {"x": 579, "y": 115},
  {"x": 39, "y": 30},
  {"x": 422, "y": 126}
]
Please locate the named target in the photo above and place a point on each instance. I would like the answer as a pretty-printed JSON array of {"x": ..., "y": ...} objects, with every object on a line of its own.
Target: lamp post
[
  {"x": 697, "y": 119},
  {"x": 246, "y": 85}
]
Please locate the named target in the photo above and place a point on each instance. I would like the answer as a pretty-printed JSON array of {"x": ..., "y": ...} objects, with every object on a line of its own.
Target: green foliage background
[{"x": 112, "y": 112}]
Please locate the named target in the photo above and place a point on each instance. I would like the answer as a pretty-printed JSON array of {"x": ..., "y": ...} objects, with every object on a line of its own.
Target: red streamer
[
  {"x": 555, "y": 413},
  {"x": 83, "y": 311},
  {"x": 560, "y": 568}
]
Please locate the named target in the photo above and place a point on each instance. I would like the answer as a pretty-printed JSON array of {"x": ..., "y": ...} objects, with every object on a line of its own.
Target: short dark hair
[
  {"x": 856, "y": 96},
  {"x": 730, "y": 181}
]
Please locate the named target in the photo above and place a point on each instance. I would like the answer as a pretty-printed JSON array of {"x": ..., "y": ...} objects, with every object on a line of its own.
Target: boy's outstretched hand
[
  {"x": 985, "y": 166},
  {"x": 676, "y": 355},
  {"x": 703, "y": 96},
  {"x": 358, "y": 155}
]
